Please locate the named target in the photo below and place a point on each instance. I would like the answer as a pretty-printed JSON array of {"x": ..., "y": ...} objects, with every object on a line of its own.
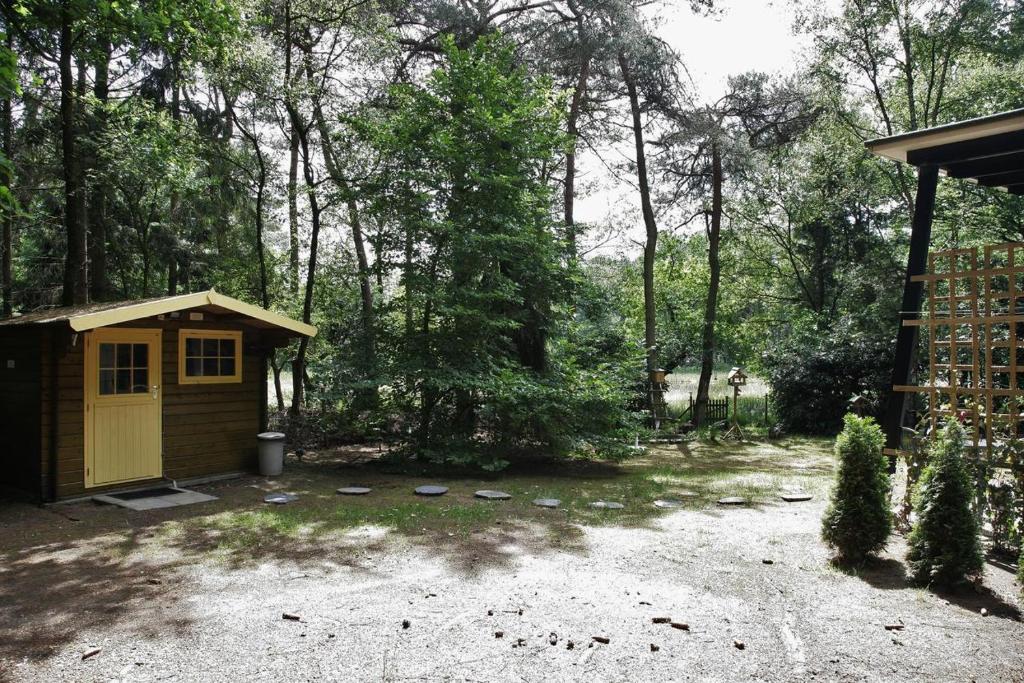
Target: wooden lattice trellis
[{"x": 974, "y": 329}]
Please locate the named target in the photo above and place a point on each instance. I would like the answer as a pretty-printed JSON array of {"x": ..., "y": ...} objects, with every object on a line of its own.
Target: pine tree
[
  {"x": 944, "y": 548},
  {"x": 858, "y": 521}
]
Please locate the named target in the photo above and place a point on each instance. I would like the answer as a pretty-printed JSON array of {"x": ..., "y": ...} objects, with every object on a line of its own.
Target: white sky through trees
[{"x": 745, "y": 35}]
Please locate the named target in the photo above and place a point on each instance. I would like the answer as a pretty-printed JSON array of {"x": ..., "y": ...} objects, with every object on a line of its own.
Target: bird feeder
[
  {"x": 858, "y": 405},
  {"x": 736, "y": 378}
]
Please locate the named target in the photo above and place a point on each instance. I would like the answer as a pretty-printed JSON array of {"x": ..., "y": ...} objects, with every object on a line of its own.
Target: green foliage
[
  {"x": 480, "y": 371},
  {"x": 858, "y": 522},
  {"x": 1002, "y": 508},
  {"x": 814, "y": 373},
  {"x": 1020, "y": 570},
  {"x": 944, "y": 547}
]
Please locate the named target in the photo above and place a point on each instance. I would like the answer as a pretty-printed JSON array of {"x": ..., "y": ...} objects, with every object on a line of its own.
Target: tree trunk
[
  {"x": 369, "y": 395},
  {"x": 579, "y": 92},
  {"x": 172, "y": 262},
  {"x": 261, "y": 255},
  {"x": 299, "y": 362},
  {"x": 7, "y": 229},
  {"x": 707, "y": 363},
  {"x": 275, "y": 367},
  {"x": 366, "y": 398},
  {"x": 75, "y": 267},
  {"x": 293, "y": 161},
  {"x": 650, "y": 246},
  {"x": 98, "y": 284}
]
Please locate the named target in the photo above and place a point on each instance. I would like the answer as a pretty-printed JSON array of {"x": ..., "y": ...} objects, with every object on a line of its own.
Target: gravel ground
[{"x": 75, "y": 578}]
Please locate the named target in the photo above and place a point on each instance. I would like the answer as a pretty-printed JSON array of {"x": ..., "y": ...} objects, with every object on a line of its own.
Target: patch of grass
[
  {"x": 683, "y": 382},
  {"x": 320, "y": 519}
]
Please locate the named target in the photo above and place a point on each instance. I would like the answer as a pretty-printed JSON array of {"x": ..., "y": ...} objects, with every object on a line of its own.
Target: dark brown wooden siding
[
  {"x": 208, "y": 429},
  {"x": 63, "y": 377},
  {"x": 211, "y": 428},
  {"x": 19, "y": 409}
]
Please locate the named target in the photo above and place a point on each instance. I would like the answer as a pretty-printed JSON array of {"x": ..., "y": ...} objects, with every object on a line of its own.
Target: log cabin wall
[
  {"x": 208, "y": 429},
  {"x": 20, "y": 386}
]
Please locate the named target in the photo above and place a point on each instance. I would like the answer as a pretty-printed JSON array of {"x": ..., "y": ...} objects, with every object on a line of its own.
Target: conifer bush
[
  {"x": 1020, "y": 570},
  {"x": 858, "y": 520},
  {"x": 944, "y": 547}
]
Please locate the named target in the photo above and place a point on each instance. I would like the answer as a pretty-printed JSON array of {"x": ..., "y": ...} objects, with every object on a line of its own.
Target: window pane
[
  {"x": 209, "y": 367},
  {"x": 193, "y": 367},
  {"x": 140, "y": 381},
  {"x": 106, "y": 355},
  {"x": 140, "y": 355},
  {"x": 107, "y": 380},
  {"x": 193, "y": 346},
  {"x": 210, "y": 347},
  {"x": 124, "y": 356},
  {"x": 227, "y": 348},
  {"x": 227, "y": 367},
  {"x": 124, "y": 381}
]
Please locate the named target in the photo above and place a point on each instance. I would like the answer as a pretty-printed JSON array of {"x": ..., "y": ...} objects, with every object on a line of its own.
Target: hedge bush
[
  {"x": 944, "y": 547},
  {"x": 858, "y": 521},
  {"x": 813, "y": 375}
]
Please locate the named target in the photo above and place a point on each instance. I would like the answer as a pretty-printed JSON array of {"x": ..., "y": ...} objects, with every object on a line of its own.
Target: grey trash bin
[{"x": 271, "y": 453}]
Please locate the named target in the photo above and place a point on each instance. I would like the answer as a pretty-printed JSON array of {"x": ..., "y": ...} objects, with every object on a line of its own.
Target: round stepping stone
[
  {"x": 547, "y": 502},
  {"x": 354, "y": 490},
  {"x": 668, "y": 503},
  {"x": 492, "y": 495},
  {"x": 796, "y": 497},
  {"x": 605, "y": 505},
  {"x": 732, "y": 500},
  {"x": 280, "y": 498},
  {"x": 431, "y": 490}
]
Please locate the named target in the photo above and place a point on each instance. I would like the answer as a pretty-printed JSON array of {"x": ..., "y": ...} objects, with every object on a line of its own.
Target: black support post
[{"x": 906, "y": 337}]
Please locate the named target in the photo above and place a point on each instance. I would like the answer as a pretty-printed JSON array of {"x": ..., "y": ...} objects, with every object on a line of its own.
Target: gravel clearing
[{"x": 161, "y": 611}]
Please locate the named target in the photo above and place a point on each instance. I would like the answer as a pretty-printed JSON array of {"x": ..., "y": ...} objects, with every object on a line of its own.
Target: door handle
[{"x": 156, "y": 390}]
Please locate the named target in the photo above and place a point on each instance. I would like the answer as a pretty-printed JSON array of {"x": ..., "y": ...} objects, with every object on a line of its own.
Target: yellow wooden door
[{"x": 122, "y": 406}]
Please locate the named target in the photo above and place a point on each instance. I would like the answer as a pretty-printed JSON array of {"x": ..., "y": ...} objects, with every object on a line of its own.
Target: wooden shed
[{"x": 111, "y": 396}]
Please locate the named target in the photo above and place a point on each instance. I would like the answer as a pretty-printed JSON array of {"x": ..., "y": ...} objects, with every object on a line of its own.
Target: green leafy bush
[
  {"x": 813, "y": 375},
  {"x": 857, "y": 522},
  {"x": 1002, "y": 509},
  {"x": 1020, "y": 570},
  {"x": 944, "y": 548}
]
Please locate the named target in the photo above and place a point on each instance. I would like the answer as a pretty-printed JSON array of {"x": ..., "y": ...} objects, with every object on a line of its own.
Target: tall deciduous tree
[{"x": 707, "y": 142}]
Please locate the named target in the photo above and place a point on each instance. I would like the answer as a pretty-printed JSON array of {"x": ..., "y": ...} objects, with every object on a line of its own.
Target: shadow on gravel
[
  {"x": 891, "y": 574},
  {"x": 973, "y": 599},
  {"x": 51, "y": 594}
]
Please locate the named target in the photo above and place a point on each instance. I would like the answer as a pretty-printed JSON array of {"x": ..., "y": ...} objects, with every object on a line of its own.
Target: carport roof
[
  {"x": 90, "y": 316},
  {"x": 988, "y": 150}
]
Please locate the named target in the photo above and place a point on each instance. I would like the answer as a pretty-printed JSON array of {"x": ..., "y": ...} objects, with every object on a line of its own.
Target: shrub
[
  {"x": 814, "y": 373},
  {"x": 858, "y": 521},
  {"x": 1020, "y": 570},
  {"x": 944, "y": 548},
  {"x": 1002, "y": 507}
]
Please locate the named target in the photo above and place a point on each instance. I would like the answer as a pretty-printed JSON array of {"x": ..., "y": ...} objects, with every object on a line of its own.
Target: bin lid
[{"x": 270, "y": 436}]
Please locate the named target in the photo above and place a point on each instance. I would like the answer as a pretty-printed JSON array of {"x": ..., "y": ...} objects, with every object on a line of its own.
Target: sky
[{"x": 745, "y": 35}]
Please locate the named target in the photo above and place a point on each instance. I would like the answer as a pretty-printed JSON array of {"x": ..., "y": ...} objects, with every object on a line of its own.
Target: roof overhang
[
  {"x": 208, "y": 300},
  {"x": 988, "y": 150}
]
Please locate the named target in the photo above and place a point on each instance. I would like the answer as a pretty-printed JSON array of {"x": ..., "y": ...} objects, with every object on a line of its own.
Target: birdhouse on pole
[
  {"x": 859, "y": 405},
  {"x": 736, "y": 378}
]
